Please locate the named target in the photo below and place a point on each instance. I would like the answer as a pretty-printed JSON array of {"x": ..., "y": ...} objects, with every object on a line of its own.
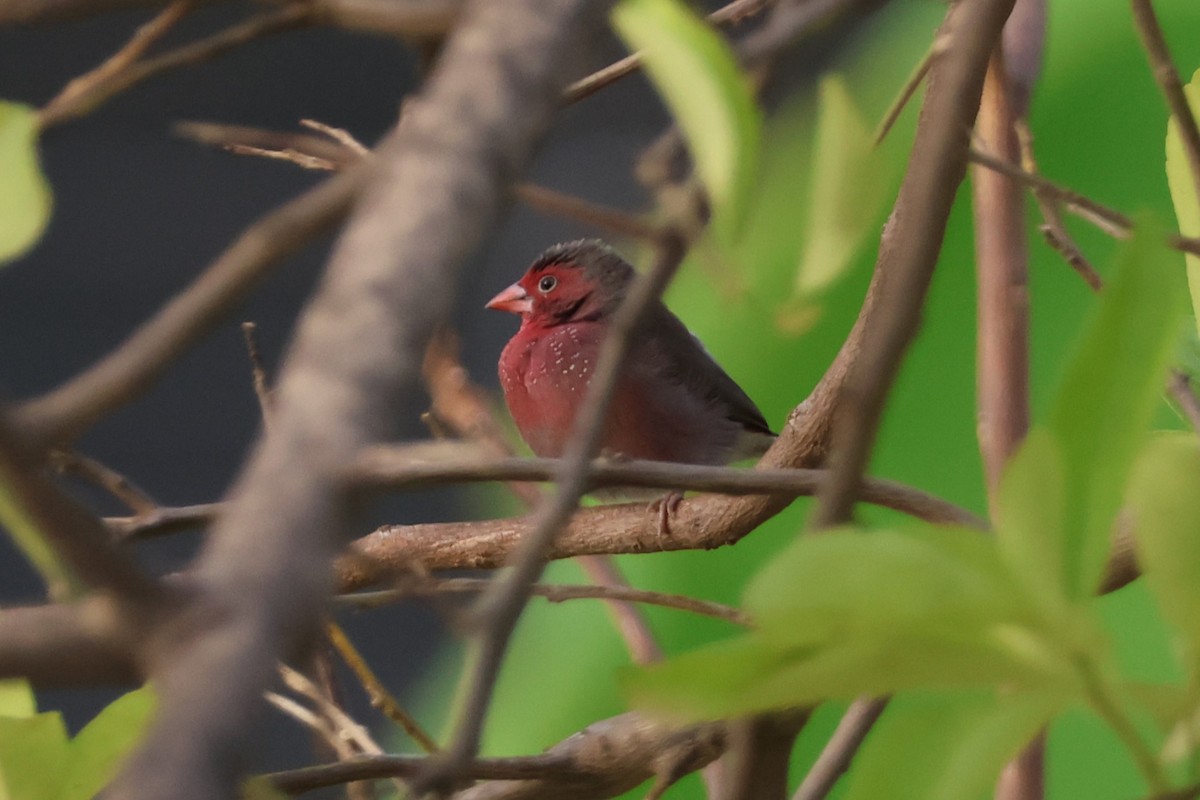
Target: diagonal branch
[
  {"x": 437, "y": 185},
  {"x": 912, "y": 240},
  {"x": 67, "y": 411}
]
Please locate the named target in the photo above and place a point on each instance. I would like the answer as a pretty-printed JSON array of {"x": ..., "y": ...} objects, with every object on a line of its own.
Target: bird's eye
[{"x": 547, "y": 283}]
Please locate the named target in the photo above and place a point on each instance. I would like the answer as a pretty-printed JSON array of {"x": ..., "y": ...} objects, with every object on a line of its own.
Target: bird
[{"x": 672, "y": 401}]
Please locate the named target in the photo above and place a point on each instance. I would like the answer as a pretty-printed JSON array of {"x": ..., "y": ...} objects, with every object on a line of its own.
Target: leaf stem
[{"x": 1099, "y": 694}]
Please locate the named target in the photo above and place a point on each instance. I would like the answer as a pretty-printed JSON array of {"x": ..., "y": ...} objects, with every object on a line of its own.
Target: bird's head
[{"x": 572, "y": 282}]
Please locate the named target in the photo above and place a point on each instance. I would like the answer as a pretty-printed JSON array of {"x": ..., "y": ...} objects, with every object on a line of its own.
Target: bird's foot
[{"x": 664, "y": 507}]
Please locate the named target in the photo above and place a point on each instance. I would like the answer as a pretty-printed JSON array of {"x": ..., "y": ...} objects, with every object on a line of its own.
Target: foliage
[
  {"x": 25, "y": 201},
  {"x": 39, "y": 761}
]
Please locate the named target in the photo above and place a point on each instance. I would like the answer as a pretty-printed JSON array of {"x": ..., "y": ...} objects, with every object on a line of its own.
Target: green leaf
[
  {"x": 1164, "y": 503},
  {"x": 25, "y": 200},
  {"x": 752, "y": 673},
  {"x": 260, "y": 787},
  {"x": 850, "y": 181},
  {"x": 1183, "y": 189},
  {"x": 25, "y": 533},
  {"x": 699, "y": 79},
  {"x": 945, "y": 746},
  {"x": 823, "y": 586},
  {"x": 846, "y": 613},
  {"x": 1031, "y": 511},
  {"x": 1102, "y": 411},
  {"x": 97, "y": 751},
  {"x": 16, "y": 698},
  {"x": 33, "y": 757}
]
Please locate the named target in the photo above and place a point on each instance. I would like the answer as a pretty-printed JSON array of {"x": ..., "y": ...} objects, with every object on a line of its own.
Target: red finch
[{"x": 672, "y": 401}]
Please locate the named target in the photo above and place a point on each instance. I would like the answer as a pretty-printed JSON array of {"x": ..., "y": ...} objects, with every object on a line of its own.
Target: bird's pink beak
[{"x": 514, "y": 299}]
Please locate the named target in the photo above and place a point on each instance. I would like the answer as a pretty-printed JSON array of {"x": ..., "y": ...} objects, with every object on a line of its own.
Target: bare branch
[
  {"x": 1002, "y": 269},
  {"x": 912, "y": 241},
  {"x": 55, "y": 646},
  {"x": 71, "y": 463},
  {"x": 78, "y": 99},
  {"x": 731, "y": 14},
  {"x": 437, "y": 184},
  {"x": 258, "y": 372},
  {"x": 380, "y": 697},
  {"x": 555, "y": 593},
  {"x": 64, "y": 413},
  {"x": 835, "y": 758},
  {"x": 120, "y": 61},
  {"x": 1168, "y": 81},
  {"x": 77, "y": 538}
]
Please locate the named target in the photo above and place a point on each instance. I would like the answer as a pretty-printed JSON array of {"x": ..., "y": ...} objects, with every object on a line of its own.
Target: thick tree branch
[
  {"x": 436, "y": 186},
  {"x": 85, "y": 643}
]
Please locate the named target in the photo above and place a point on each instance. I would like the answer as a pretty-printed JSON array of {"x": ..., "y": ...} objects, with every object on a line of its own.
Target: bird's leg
[{"x": 664, "y": 507}]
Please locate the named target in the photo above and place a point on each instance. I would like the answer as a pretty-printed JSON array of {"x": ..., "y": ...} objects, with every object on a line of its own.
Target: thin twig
[
  {"x": 352, "y": 739},
  {"x": 1168, "y": 81},
  {"x": 258, "y": 372},
  {"x": 908, "y": 90},
  {"x": 68, "y": 462},
  {"x": 732, "y": 13},
  {"x": 339, "y": 135},
  {"x": 306, "y": 779},
  {"x": 1109, "y": 220},
  {"x": 1180, "y": 386},
  {"x": 379, "y": 695},
  {"x": 912, "y": 241},
  {"x": 555, "y": 593},
  {"x": 1053, "y": 229},
  {"x": 835, "y": 757},
  {"x": 313, "y": 721},
  {"x": 396, "y": 468},
  {"x": 68, "y": 544},
  {"x": 341, "y": 149},
  {"x": 67, "y": 411},
  {"x": 92, "y": 83},
  {"x": 610, "y": 220},
  {"x": 265, "y": 24}
]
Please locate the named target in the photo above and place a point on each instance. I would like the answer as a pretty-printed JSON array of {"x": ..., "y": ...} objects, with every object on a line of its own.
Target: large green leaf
[
  {"x": 696, "y": 73},
  {"x": 1164, "y": 503},
  {"x": 24, "y": 193},
  {"x": 945, "y": 746},
  {"x": 16, "y": 698},
  {"x": 1102, "y": 412},
  {"x": 924, "y": 577},
  {"x": 97, "y": 751},
  {"x": 850, "y": 181},
  {"x": 1031, "y": 512},
  {"x": 33, "y": 757},
  {"x": 1184, "y": 190},
  {"x": 848, "y": 613}
]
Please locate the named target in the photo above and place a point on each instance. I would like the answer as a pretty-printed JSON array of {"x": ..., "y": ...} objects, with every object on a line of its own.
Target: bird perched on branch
[{"x": 672, "y": 401}]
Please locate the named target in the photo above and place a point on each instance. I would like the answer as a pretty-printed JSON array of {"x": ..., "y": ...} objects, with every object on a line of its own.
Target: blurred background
[{"x": 139, "y": 212}]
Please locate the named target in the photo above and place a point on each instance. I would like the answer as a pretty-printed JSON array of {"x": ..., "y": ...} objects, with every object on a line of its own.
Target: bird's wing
[{"x": 683, "y": 359}]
